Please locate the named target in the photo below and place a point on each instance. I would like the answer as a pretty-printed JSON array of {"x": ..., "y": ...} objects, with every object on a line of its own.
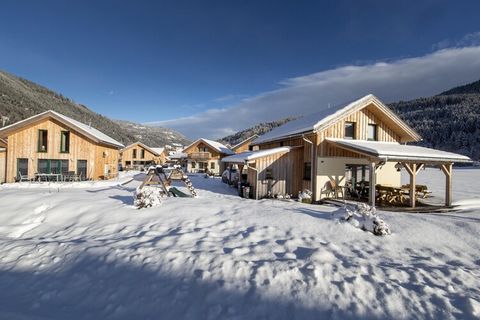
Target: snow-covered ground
[{"x": 76, "y": 253}]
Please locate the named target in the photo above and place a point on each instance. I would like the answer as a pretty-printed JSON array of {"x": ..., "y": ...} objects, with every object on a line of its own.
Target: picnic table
[
  {"x": 421, "y": 190},
  {"x": 48, "y": 176},
  {"x": 392, "y": 195}
]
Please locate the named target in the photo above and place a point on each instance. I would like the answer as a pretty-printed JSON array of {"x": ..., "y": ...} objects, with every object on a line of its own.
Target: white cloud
[{"x": 391, "y": 81}]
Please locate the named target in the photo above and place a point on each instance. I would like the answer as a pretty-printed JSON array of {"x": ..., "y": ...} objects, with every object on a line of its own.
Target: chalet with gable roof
[{"x": 51, "y": 143}]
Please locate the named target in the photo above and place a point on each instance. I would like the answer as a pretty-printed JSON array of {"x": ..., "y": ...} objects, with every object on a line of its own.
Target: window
[
  {"x": 193, "y": 165},
  {"x": 349, "y": 130},
  {"x": 82, "y": 169},
  {"x": 42, "y": 140},
  {"x": 142, "y": 153},
  {"x": 203, "y": 149},
  {"x": 134, "y": 153},
  {"x": 307, "y": 171},
  {"x": 372, "y": 132},
  {"x": 212, "y": 165},
  {"x": 65, "y": 142},
  {"x": 22, "y": 167},
  {"x": 52, "y": 166},
  {"x": 268, "y": 174}
]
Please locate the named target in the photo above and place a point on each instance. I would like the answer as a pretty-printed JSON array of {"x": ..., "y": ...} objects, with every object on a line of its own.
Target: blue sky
[{"x": 167, "y": 62}]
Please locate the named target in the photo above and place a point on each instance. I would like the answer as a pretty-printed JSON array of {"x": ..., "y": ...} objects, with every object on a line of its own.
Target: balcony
[{"x": 199, "y": 156}]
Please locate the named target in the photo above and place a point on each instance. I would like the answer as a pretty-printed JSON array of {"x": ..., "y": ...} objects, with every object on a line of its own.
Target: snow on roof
[
  {"x": 89, "y": 129},
  {"x": 252, "y": 155},
  {"x": 178, "y": 155},
  {"x": 81, "y": 127},
  {"x": 2, "y": 149},
  {"x": 214, "y": 144},
  {"x": 158, "y": 150},
  {"x": 396, "y": 151},
  {"x": 249, "y": 139},
  {"x": 320, "y": 119}
]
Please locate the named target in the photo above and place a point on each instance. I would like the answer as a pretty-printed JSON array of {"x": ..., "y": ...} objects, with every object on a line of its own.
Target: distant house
[
  {"x": 205, "y": 155},
  {"x": 137, "y": 155},
  {"x": 245, "y": 145},
  {"x": 3, "y": 160},
  {"x": 51, "y": 143},
  {"x": 363, "y": 142}
]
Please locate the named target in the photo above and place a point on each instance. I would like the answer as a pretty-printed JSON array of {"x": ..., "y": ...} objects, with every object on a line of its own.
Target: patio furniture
[
  {"x": 23, "y": 178},
  {"x": 389, "y": 194},
  {"x": 420, "y": 190},
  {"x": 48, "y": 176}
]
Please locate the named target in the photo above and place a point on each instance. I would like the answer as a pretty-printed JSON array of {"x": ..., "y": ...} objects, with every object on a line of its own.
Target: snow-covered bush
[
  {"x": 366, "y": 218},
  {"x": 305, "y": 196},
  {"x": 148, "y": 196}
]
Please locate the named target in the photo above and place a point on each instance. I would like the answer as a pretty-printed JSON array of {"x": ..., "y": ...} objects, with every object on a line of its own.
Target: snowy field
[{"x": 86, "y": 253}]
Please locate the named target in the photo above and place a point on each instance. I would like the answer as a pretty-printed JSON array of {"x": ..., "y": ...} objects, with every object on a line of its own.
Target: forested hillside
[
  {"x": 447, "y": 122},
  {"x": 258, "y": 129},
  {"x": 20, "y": 99}
]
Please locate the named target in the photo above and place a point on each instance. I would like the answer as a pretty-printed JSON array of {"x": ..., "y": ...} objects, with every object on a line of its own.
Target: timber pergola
[{"x": 412, "y": 158}]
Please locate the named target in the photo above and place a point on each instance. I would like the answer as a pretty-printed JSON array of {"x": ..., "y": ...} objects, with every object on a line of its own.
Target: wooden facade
[
  {"x": 138, "y": 154},
  {"x": 93, "y": 159},
  {"x": 203, "y": 157},
  {"x": 315, "y": 146},
  {"x": 245, "y": 145}
]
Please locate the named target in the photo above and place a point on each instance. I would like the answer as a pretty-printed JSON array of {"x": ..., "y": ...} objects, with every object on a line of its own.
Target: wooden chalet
[
  {"x": 3, "y": 160},
  {"x": 245, "y": 145},
  {"x": 137, "y": 155},
  {"x": 362, "y": 142},
  {"x": 51, "y": 143},
  {"x": 205, "y": 155}
]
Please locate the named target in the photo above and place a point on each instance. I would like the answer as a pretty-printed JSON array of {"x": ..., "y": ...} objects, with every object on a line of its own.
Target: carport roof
[{"x": 393, "y": 151}]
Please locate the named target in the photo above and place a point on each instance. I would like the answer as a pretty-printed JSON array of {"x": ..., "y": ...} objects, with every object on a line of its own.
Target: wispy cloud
[
  {"x": 229, "y": 97},
  {"x": 390, "y": 81},
  {"x": 469, "y": 40}
]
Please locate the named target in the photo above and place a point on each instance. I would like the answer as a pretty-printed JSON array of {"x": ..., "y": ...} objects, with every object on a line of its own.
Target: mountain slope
[
  {"x": 20, "y": 99},
  {"x": 473, "y": 87},
  {"x": 258, "y": 129},
  {"x": 449, "y": 122}
]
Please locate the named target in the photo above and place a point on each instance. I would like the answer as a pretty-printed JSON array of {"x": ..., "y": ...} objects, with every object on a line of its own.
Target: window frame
[
  {"x": 65, "y": 137},
  {"x": 375, "y": 132},
  {"x": 42, "y": 140},
  {"x": 354, "y": 129},
  {"x": 307, "y": 168},
  {"x": 134, "y": 153}
]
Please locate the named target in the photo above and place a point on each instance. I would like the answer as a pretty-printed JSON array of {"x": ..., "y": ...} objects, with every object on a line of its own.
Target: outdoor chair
[{"x": 23, "y": 178}]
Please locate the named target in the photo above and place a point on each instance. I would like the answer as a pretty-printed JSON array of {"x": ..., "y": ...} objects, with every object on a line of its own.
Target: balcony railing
[{"x": 199, "y": 155}]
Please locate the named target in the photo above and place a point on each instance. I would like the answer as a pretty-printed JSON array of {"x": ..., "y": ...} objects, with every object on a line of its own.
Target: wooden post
[
  {"x": 372, "y": 191},
  {"x": 412, "y": 171},
  {"x": 447, "y": 170}
]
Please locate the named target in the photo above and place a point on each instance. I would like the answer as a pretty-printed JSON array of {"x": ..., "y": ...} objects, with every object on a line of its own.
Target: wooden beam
[
  {"x": 412, "y": 171},
  {"x": 372, "y": 191},
  {"x": 420, "y": 166},
  {"x": 447, "y": 170}
]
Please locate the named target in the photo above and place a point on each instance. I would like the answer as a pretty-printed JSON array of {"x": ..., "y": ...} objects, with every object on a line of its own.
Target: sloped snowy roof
[
  {"x": 89, "y": 131},
  {"x": 319, "y": 120},
  {"x": 158, "y": 150},
  {"x": 249, "y": 139},
  {"x": 397, "y": 152},
  {"x": 252, "y": 155},
  {"x": 143, "y": 145},
  {"x": 178, "y": 155},
  {"x": 214, "y": 144}
]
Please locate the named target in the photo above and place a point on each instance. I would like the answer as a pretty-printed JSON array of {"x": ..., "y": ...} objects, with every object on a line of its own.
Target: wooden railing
[{"x": 199, "y": 155}]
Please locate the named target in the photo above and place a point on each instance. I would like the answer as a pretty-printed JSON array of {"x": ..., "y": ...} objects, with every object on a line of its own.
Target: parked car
[{"x": 230, "y": 176}]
